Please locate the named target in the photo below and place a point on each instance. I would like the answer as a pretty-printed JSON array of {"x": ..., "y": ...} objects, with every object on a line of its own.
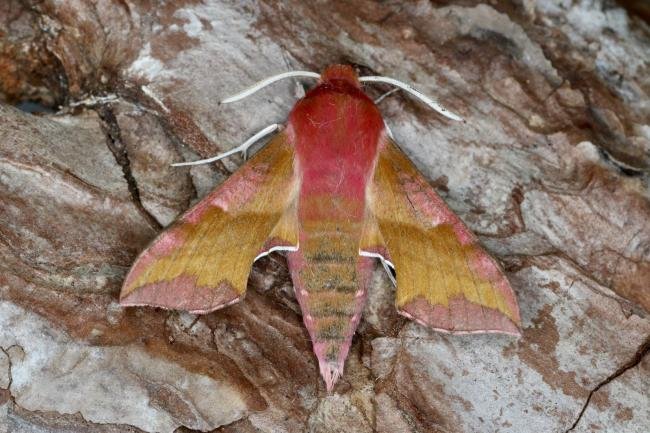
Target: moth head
[{"x": 338, "y": 73}]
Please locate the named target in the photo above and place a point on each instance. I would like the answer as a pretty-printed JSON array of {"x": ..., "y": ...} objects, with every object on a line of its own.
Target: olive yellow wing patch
[
  {"x": 202, "y": 261},
  {"x": 445, "y": 280}
]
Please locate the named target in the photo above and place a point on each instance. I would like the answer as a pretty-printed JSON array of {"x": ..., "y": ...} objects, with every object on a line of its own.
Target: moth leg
[
  {"x": 241, "y": 148},
  {"x": 389, "y": 271},
  {"x": 386, "y": 95},
  {"x": 389, "y": 267},
  {"x": 388, "y": 131}
]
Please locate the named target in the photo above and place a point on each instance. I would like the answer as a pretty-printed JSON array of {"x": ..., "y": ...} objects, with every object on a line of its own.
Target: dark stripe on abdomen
[{"x": 329, "y": 277}]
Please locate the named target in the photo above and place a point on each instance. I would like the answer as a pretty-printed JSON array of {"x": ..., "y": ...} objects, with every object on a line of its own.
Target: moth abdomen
[{"x": 332, "y": 311}]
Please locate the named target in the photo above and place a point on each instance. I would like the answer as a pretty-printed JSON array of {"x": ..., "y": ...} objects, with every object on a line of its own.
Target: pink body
[{"x": 335, "y": 130}]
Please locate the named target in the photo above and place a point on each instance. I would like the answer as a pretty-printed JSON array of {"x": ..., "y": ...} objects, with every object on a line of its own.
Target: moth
[{"x": 334, "y": 191}]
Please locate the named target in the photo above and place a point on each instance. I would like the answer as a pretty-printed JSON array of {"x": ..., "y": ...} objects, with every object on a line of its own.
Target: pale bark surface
[{"x": 551, "y": 170}]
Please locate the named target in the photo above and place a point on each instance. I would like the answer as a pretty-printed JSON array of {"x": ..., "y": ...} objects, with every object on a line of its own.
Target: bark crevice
[
  {"x": 118, "y": 149},
  {"x": 641, "y": 353}
]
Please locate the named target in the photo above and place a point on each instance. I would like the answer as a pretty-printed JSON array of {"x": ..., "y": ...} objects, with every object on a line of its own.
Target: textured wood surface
[{"x": 551, "y": 171}]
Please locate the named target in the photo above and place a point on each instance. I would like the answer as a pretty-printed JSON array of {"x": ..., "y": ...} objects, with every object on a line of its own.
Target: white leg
[
  {"x": 385, "y": 263},
  {"x": 389, "y": 272},
  {"x": 385, "y": 95},
  {"x": 147, "y": 91},
  {"x": 388, "y": 131},
  {"x": 241, "y": 148}
]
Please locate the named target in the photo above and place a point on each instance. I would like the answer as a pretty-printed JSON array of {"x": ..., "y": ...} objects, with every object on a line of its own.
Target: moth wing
[
  {"x": 202, "y": 261},
  {"x": 445, "y": 280}
]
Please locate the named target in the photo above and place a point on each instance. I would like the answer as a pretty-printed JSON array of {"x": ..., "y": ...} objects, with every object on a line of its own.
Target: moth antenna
[
  {"x": 265, "y": 82},
  {"x": 241, "y": 148},
  {"x": 421, "y": 96}
]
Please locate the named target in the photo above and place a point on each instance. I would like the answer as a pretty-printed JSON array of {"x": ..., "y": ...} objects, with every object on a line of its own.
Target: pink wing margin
[
  {"x": 202, "y": 261},
  {"x": 445, "y": 279}
]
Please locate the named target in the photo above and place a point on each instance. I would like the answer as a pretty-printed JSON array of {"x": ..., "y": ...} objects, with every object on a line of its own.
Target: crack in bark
[
  {"x": 9, "y": 372},
  {"x": 642, "y": 351},
  {"x": 118, "y": 149},
  {"x": 165, "y": 120}
]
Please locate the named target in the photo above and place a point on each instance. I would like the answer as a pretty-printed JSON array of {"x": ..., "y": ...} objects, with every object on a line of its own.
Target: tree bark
[{"x": 551, "y": 171}]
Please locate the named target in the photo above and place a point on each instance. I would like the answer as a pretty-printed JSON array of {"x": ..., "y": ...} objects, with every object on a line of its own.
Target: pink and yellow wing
[
  {"x": 445, "y": 280},
  {"x": 202, "y": 261}
]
